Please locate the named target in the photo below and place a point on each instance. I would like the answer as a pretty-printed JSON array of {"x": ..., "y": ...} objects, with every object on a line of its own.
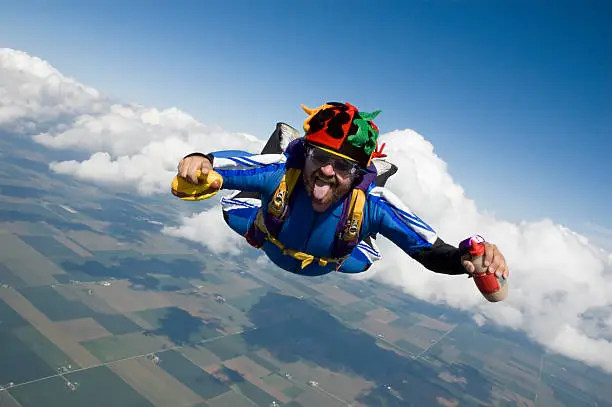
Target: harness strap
[
  {"x": 279, "y": 202},
  {"x": 269, "y": 221},
  {"x": 355, "y": 216},
  {"x": 305, "y": 258}
]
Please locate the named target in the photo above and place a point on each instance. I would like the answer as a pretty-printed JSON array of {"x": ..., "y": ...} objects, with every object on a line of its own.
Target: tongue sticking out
[{"x": 320, "y": 189}]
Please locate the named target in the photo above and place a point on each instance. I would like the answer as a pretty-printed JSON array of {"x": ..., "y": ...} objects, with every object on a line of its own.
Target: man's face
[{"x": 327, "y": 177}]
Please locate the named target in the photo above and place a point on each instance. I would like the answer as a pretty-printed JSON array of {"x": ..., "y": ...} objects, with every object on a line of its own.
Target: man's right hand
[{"x": 188, "y": 168}]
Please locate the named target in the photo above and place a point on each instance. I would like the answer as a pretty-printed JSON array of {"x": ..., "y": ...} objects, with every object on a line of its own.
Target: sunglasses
[{"x": 341, "y": 165}]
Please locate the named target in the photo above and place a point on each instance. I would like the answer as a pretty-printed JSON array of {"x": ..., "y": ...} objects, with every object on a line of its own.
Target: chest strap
[
  {"x": 267, "y": 226},
  {"x": 305, "y": 258}
]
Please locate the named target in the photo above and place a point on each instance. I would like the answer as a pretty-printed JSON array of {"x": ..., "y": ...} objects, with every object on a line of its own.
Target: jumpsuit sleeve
[
  {"x": 245, "y": 172},
  {"x": 394, "y": 220}
]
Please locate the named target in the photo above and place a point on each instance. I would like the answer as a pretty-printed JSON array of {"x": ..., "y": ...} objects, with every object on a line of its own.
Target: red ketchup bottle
[{"x": 493, "y": 288}]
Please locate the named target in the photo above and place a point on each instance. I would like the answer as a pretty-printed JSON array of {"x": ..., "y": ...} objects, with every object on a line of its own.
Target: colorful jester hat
[{"x": 344, "y": 130}]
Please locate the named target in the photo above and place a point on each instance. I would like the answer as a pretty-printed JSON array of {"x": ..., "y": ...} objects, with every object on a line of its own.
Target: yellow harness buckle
[{"x": 277, "y": 208}]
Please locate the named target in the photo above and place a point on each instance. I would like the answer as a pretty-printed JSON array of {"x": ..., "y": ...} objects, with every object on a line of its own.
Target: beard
[{"x": 322, "y": 189}]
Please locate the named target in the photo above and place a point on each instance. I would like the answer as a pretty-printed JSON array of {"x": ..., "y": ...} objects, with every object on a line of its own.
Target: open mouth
[{"x": 321, "y": 188}]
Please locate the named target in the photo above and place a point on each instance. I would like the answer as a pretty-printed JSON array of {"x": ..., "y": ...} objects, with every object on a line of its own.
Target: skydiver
[{"x": 315, "y": 204}]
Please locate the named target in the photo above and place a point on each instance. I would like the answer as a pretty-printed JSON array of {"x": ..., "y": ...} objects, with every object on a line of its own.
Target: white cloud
[
  {"x": 599, "y": 235},
  {"x": 33, "y": 94},
  {"x": 138, "y": 145},
  {"x": 209, "y": 229},
  {"x": 556, "y": 274},
  {"x": 560, "y": 284},
  {"x": 128, "y": 143}
]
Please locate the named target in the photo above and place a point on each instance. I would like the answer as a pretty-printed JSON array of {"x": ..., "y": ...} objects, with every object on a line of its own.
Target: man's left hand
[{"x": 493, "y": 259}]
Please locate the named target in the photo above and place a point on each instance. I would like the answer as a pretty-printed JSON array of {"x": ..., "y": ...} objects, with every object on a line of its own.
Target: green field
[
  {"x": 170, "y": 287},
  {"x": 191, "y": 375},
  {"x": 123, "y": 346},
  {"x": 54, "y": 305},
  {"x": 98, "y": 387},
  {"x": 249, "y": 390},
  {"x": 10, "y": 278},
  {"x": 20, "y": 349},
  {"x": 49, "y": 246},
  {"x": 40, "y": 345},
  {"x": 117, "y": 324},
  {"x": 228, "y": 347}
]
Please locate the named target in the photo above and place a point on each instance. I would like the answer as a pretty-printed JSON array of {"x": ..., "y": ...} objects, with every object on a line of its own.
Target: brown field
[
  {"x": 82, "y": 329},
  {"x": 450, "y": 354},
  {"x": 278, "y": 382},
  {"x": 387, "y": 346},
  {"x": 6, "y": 400},
  {"x": 519, "y": 401},
  {"x": 338, "y": 295},
  {"x": 157, "y": 386},
  {"x": 161, "y": 244},
  {"x": 200, "y": 356},
  {"x": 272, "y": 391},
  {"x": 529, "y": 361},
  {"x": 193, "y": 304},
  {"x": 448, "y": 377},
  {"x": 237, "y": 286},
  {"x": 300, "y": 372},
  {"x": 140, "y": 321},
  {"x": 382, "y": 315},
  {"x": 375, "y": 327},
  {"x": 546, "y": 396},
  {"x": 345, "y": 388},
  {"x": 312, "y": 397},
  {"x": 94, "y": 241},
  {"x": 52, "y": 229},
  {"x": 72, "y": 246},
  {"x": 12, "y": 199},
  {"x": 119, "y": 347},
  {"x": 203, "y": 288},
  {"x": 229, "y": 399},
  {"x": 447, "y": 402},
  {"x": 254, "y": 373},
  {"x": 511, "y": 369},
  {"x": 341, "y": 385},
  {"x": 285, "y": 287},
  {"x": 63, "y": 341},
  {"x": 96, "y": 225},
  {"x": 79, "y": 293},
  {"x": 211, "y": 368},
  {"x": 31, "y": 266},
  {"x": 435, "y": 324},
  {"x": 25, "y": 228},
  {"x": 125, "y": 300},
  {"x": 246, "y": 367},
  {"x": 328, "y": 302},
  {"x": 207, "y": 308},
  {"x": 244, "y": 283},
  {"x": 420, "y": 336}
]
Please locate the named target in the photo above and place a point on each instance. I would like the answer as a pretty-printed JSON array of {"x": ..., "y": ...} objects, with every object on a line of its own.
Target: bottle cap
[{"x": 474, "y": 245}]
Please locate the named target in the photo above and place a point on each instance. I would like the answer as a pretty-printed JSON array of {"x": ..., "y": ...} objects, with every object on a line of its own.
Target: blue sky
[{"x": 516, "y": 96}]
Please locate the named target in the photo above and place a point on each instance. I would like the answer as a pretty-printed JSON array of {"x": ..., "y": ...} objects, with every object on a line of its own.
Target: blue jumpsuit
[{"x": 256, "y": 177}]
